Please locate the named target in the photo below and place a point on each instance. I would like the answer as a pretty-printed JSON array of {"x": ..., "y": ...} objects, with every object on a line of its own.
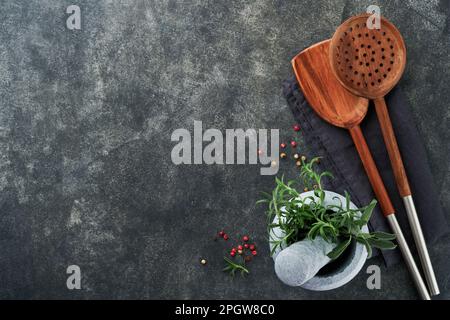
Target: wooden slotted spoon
[
  {"x": 336, "y": 105},
  {"x": 369, "y": 63}
]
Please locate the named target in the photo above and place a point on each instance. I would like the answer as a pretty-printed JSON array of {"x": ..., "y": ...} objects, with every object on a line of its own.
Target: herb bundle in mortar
[{"x": 310, "y": 217}]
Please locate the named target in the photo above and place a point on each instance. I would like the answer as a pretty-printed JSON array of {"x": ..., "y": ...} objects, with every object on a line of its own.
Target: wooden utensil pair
[{"x": 337, "y": 77}]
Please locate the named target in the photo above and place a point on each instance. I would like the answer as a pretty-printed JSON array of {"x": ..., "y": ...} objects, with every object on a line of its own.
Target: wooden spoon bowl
[
  {"x": 368, "y": 62},
  {"x": 325, "y": 94}
]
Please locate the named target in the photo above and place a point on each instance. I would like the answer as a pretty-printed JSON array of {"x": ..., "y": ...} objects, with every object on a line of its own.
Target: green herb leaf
[
  {"x": 367, "y": 213},
  {"x": 383, "y": 235},
  {"x": 381, "y": 244},
  {"x": 366, "y": 244},
  {"x": 339, "y": 249},
  {"x": 232, "y": 267}
]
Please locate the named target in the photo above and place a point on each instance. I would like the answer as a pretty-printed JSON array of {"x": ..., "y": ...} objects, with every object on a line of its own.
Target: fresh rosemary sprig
[
  {"x": 233, "y": 267},
  {"x": 311, "y": 217}
]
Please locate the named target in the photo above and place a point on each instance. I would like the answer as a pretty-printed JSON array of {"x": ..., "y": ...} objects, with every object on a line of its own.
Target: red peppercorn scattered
[
  {"x": 296, "y": 128},
  {"x": 244, "y": 249},
  {"x": 293, "y": 144},
  {"x": 283, "y": 145}
]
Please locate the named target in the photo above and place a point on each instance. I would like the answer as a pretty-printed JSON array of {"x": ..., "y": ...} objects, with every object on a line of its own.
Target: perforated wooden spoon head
[
  {"x": 329, "y": 99},
  {"x": 368, "y": 62}
]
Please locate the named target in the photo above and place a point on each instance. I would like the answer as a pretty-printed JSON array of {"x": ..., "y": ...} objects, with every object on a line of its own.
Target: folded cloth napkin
[{"x": 339, "y": 156}]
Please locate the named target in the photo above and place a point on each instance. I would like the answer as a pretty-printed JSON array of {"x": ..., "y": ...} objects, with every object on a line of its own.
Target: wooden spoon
[
  {"x": 336, "y": 105},
  {"x": 369, "y": 63}
]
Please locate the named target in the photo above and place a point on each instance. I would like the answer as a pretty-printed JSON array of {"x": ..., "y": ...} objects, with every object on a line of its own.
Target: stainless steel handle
[
  {"x": 407, "y": 256},
  {"x": 421, "y": 245}
]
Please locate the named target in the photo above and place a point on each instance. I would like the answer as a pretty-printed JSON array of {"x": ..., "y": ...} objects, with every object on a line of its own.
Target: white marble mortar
[{"x": 349, "y": 269}]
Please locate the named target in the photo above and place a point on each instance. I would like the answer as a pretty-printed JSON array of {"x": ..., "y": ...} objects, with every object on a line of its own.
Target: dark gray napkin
[{"x": 339, "y": 156}]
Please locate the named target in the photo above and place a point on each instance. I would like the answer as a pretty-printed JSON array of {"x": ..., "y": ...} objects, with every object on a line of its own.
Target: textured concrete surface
[{"x": 85, "y": 124}]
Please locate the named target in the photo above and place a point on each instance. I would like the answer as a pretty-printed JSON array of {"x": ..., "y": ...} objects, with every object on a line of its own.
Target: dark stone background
[{"x": 85, "y": 122}]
